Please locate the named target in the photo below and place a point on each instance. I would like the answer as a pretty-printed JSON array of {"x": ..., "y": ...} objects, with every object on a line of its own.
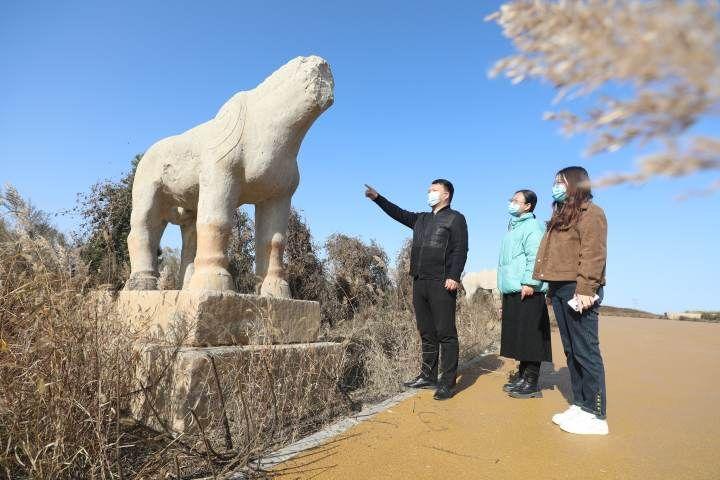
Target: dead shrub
[
  {"x": 65, "y": 368},
  {"x": 70, "y": 371}
]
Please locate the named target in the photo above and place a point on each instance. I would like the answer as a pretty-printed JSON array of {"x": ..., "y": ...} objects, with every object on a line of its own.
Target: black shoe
[
  {"x": 421, "y": 382},
  {"x": 528, "y": 388},
  {"x": 443, "y": 393},
  {"x": 515, "y": 380}
]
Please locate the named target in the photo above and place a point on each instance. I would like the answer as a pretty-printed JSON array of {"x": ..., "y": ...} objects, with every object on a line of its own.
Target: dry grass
[
  {"x": 648, "y": 71},
  {"x": 65, "y": 369},
  {"x": 70, "y": 373}
]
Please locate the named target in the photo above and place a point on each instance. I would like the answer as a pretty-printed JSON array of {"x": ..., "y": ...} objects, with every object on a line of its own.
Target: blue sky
[{"x": 87, "y": 85}]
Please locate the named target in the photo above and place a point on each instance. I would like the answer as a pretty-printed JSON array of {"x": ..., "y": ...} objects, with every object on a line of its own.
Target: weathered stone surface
[
  {"x": 212, "y": 318},
  {"x": 246, "y": 154},
  {"x": 264, "y": 387}
]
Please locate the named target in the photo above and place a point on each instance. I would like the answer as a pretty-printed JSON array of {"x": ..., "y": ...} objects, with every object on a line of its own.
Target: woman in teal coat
[{"x": 525, "y": 322}]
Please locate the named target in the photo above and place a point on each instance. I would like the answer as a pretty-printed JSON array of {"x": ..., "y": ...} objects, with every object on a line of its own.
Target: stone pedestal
[
  {"x": 255, "y": 387},
  {"x": 214, "y": 318},
  {"x": 226, "y": 361}
]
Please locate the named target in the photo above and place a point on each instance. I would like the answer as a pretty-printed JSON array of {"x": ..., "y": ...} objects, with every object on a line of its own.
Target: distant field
[
  {"x": 609, "y": 311},
  {"x": 709, "y": 316},
  {"x": 627, "y": 312},
  {"x": 705, "y": 317},
  {"x": 712, "y": 317}
]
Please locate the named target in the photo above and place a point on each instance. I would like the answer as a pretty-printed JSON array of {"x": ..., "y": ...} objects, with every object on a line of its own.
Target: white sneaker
[
  {"x": 585, "y": 423},
  {"x": 558, "y": 418}
]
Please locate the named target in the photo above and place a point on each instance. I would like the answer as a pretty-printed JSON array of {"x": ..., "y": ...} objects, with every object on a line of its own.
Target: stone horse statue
[{"x": 246, "y": 154}]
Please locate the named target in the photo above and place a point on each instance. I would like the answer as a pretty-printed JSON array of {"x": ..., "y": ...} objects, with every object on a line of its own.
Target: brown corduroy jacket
[{"x": 577, "y": 254}]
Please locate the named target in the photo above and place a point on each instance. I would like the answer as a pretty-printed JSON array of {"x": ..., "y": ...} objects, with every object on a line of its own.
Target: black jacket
[{"x": 440, "y": 241}]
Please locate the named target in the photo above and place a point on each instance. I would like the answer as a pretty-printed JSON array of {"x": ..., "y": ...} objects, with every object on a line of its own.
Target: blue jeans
[{"x": 579, "y": 334}]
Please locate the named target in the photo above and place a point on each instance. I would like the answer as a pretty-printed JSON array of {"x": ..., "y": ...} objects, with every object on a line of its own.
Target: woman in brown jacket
[{"x": 571, "y": 258}]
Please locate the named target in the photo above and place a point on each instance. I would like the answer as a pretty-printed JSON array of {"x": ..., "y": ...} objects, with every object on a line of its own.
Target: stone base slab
[
  {"x": 248, "y": 390},
  {"x": 214, "y": 318}
]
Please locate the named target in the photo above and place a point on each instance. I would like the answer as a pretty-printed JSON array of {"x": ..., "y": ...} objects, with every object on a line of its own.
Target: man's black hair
[{"x": 448, "y": 186}]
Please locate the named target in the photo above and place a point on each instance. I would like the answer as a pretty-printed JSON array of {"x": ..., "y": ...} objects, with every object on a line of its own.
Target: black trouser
[
  {"x": 579, "y": 335},
  {"x": 529, "y": 369},
  {"x": 435, "y": 316}
]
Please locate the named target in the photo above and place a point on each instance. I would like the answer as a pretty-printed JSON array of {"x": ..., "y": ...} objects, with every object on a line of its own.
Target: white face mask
[{"x": 433, "y": 198}]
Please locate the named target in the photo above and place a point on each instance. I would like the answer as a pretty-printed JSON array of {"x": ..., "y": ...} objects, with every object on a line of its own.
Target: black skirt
[{"x": 525, "y": 331}]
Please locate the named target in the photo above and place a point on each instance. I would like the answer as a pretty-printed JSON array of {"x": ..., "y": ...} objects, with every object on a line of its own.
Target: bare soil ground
[{"x": 661, "y": 411}]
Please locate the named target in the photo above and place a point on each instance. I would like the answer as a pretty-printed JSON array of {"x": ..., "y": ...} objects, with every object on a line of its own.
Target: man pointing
[{"x": 438, "y": 255}]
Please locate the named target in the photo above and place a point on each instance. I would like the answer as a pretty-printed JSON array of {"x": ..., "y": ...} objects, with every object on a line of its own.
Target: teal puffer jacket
[{"x": 517, "y": 255}]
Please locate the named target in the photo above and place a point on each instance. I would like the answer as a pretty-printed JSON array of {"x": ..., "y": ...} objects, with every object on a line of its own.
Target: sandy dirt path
[{"x": 663, "y": 381}]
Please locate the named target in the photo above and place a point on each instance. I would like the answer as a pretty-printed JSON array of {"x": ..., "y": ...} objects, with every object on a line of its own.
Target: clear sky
[{"x": 86, "y": 85}]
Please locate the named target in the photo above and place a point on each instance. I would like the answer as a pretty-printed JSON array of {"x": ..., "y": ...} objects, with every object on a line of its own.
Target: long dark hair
[{"x": 567, "y": 213}]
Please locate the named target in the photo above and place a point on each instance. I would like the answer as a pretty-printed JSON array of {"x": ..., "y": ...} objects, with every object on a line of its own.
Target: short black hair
[
  {"x": 448, "y": 186},
  {"x": 530, "y": 197}
]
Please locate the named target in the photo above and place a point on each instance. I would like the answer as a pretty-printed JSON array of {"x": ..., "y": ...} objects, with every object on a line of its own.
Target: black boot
[
  {"x": 443, "y": 393},
  {"x": 513, "y": 381},
  {"x": 421, "y": 382},
  {"x": 528, "y": 387}
]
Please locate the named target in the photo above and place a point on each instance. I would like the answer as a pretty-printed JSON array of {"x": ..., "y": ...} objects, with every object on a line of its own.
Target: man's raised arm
[{"x": 403, "y": 216}]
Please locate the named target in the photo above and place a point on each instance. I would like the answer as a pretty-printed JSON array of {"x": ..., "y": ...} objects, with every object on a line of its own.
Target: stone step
[
  {"x": 256, "y": 387},
  {"x": 213, "y": 318}
]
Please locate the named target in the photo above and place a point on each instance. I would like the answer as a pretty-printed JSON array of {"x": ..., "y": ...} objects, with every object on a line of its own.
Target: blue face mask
[
  {"x": 514, "y": 209},
  {"x": 559, "y": 192}
]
